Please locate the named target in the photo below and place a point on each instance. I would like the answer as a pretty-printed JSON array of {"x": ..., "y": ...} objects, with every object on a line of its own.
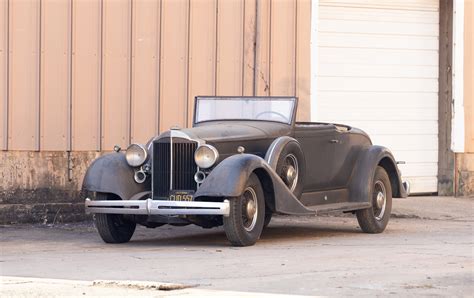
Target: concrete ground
[{"x": 427, "y": 249}]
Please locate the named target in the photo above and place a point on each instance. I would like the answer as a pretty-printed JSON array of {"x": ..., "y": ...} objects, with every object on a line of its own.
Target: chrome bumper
[{"x": 160, "y": 207}]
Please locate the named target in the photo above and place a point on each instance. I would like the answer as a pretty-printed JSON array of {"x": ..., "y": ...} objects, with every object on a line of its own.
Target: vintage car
[{"x": 244, "y": 159}]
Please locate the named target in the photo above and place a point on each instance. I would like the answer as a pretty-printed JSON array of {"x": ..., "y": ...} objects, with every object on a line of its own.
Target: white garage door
[{"x": 377, "y": 69}]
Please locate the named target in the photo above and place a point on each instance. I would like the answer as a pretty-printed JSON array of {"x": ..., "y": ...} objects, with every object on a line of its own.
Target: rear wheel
[
  {"x": 113, "y": 228},
  {"x": 244, "y": 224},
  {"x": 375, "y": 218}
]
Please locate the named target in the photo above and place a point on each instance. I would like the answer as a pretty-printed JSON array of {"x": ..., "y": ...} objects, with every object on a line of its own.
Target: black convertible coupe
[{"x": 244, "y": 159}]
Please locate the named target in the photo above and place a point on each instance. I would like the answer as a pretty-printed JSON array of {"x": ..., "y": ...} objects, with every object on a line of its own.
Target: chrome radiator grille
[{"x": 173, "y": 166}]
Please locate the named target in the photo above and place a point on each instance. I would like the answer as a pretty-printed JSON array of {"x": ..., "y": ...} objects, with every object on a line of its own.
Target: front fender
[
  {"x": 111, "y": 173},
  {"x": 364, "y": 171},
  {"x": 229, "y": 177}
]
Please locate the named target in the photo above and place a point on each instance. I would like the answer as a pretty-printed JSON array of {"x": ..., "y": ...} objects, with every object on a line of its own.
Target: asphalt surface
[{"x": 427, "y": 249}]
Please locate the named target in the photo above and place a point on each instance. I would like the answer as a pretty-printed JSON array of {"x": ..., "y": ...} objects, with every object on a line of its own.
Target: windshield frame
[{"x": 269, "y": 98}]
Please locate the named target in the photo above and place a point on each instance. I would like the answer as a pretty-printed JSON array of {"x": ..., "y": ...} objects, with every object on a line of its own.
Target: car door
[
  {"x": 347, "y": 148},
  {"x": 318, "y": 144}
]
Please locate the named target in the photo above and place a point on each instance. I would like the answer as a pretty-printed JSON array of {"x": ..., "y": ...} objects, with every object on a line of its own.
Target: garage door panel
[
  {"x": 398, "y": 143},
  {"x": 413, "y": 157},
  {"x": 418, "y": 169},
  {"x": 378, "y": 84},
  {"x": 377, "y": 56},
  {"x": 377, "y": 41},
  {"x": 423, "y": 184},
  {"x": 376, "y": 14},
  {"x": 381, "y": 114},
  {"x": 377, "y": 71},
  {"x": 379, "y": 27},
  {"x": 367, "y": 99},
  {"x": 388, "y": 128},
  {"x": 409, "y": 5}
]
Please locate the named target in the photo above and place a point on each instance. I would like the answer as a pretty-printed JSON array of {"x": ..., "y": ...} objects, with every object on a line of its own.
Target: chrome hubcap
[
  {"x": 379, "y": 200},
  {"x": 289, "y": 173},
  {"x": 250, "y": 209}
]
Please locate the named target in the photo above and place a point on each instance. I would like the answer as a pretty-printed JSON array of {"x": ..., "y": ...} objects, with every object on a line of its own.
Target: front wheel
[
  {"x": 244, "y": 224},
  {"x": 113, "y": 228},
  {"x": 375, "y": 219}
]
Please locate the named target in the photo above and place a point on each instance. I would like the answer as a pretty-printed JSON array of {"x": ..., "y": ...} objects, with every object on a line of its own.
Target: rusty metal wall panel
[
  {"x": 24, "y": 78},
  {"x": 129, "y": 69},
  {"x": 145, "y": 69},
  {"x": 55, "y": 74},
  {"x": 3, "y": 74},
  {"x": 303, "y": 58},
  {"x": 116, "y": 44},
  {"x": 230, "y": 34},
  {"x": 262, "y": 59},
  {"x": 173, "y": 63},
  {"x": 86, "y": 75},
  {"x": 283, "y": 47},
  {"x": 202, "y": 51},
  {"x": 250, "y": 23}
]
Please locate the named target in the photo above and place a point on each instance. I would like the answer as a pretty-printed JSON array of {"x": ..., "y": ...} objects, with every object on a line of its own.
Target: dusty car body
[{"x": 244, "y": 159}]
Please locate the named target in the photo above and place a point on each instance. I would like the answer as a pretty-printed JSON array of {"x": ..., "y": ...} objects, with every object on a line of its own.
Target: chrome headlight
[
  {"x": 136, "y": 155},
  {"x": 206, "y": 156}
]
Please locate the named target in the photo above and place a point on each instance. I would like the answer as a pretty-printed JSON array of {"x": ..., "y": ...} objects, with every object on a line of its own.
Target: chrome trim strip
[
  {"x": 160, "y": 207},
  {"x": 270, "y": 157}
]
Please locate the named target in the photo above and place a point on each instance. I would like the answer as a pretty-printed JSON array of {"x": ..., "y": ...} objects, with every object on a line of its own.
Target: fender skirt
[
  {"x": 111, "y": 173},
  {"x": 364, "y": 170},
  {"x": 229, "y": 177}
]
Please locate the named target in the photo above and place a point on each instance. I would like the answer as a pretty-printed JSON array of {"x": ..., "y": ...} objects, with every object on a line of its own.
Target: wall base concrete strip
[
  {"x": 42, "y": 187},
  {"x": 465, "y": 175}
]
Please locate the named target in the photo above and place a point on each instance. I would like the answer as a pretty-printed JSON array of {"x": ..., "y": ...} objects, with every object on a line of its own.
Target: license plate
[{"x": 181, "y": 195}]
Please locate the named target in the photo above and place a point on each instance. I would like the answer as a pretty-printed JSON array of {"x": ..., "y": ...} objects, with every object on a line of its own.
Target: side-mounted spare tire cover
[{"x": 286, "y": 157}]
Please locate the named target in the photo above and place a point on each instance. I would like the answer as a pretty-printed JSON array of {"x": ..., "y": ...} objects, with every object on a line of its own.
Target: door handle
[{"x": 334, "y": 141}]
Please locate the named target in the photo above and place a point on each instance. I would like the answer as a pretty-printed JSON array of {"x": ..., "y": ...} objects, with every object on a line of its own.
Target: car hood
[{"x": 237, "y": 130}]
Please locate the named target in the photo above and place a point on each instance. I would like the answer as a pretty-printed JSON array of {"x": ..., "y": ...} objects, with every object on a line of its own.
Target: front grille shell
[{"x": 173, "y": 166}]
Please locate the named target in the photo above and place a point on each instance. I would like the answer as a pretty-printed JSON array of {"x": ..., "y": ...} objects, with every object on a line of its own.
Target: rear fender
[
  {"x": 364, "y": 171},
  {"x": 229, "y": 177},
  {"x": 111, "y": 173}
]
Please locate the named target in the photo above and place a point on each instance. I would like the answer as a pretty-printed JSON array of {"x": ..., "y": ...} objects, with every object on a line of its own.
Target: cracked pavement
[{"x": 427, "y": 249}]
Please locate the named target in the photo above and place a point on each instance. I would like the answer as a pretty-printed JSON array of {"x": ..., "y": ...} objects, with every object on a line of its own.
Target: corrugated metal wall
[{"x": 85, "y": 75}]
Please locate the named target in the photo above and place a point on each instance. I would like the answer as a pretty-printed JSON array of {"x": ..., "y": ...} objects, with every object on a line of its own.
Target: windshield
[{"x": 245, "y": 108}]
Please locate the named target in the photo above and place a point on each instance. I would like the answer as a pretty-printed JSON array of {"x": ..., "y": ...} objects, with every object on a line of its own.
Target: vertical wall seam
[
  {"x": 254, "y": 45},
  {"x": 158, "y": 83},
  {"x": 270, "y": 60},
  {"x": 216, "y": 48},
  {"x": 7, "y": 79},
  {"x": 101, "y": 75},
  {"x": 130, "y": 77},
  {"x": 69, "y": 105},
  {"x": 242, "y": 85},
  {"x": 296, "y": 50},
  {"x": 188, "y": 46},
  {"x": 38, "y": 110}
]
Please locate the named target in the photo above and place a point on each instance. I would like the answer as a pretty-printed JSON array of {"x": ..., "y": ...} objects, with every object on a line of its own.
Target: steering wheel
[{"x": 273, "y": 112}]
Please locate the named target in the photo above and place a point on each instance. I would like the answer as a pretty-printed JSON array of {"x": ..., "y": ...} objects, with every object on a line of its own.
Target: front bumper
[{"x": 157, "y": 207}]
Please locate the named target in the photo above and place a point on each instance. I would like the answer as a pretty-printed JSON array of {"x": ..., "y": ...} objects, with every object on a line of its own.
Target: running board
[{"x": 339, "y": 207}]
